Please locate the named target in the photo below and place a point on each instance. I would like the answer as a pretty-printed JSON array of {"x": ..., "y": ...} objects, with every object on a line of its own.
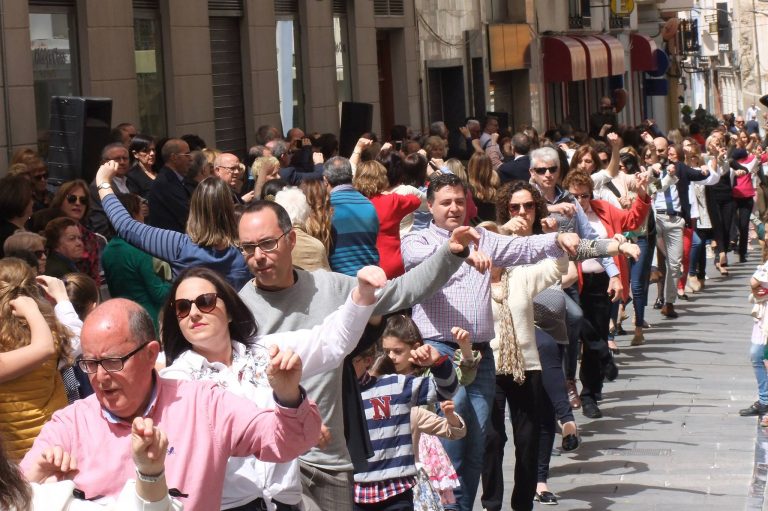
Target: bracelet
[{"x": 149, "y": 478}]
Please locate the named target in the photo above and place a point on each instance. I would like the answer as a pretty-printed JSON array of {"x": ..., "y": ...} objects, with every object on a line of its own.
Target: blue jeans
[
  {"x": 639, "y": 274},
  {"x": 761, "y": 374},
  {"x": 473, "y": 403},
  {"x": 693, "y": 258}
]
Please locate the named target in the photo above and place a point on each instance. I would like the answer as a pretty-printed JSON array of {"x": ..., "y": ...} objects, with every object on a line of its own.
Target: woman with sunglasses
[
  {"x": 211, "y": 236},
  {"x": 141, "y": 153},
  {"x": 530, "y": 377},
  {"x": 210, "y": 334},
  {"x": 72, "y": 200},
  {"x": 25, "y": 241}
]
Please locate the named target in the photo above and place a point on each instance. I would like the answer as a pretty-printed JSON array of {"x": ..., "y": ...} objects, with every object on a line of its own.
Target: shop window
[{"x": 55, "y": 68}]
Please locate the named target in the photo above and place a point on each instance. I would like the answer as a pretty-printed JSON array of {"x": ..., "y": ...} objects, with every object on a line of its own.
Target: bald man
[{"x": 205, "y": 425}]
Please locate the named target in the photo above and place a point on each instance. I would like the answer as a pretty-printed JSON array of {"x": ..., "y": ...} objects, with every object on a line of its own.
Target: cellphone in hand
[
  {"x": 398, "y": 145},
  {"x": 298, "y": 143}
]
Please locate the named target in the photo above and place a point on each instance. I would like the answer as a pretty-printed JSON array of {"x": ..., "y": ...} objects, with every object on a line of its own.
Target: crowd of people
[{"x": 305, "y": 331}]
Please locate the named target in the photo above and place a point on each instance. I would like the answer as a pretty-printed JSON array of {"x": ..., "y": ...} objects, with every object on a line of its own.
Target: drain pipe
[{"x": 4, "y": 75}]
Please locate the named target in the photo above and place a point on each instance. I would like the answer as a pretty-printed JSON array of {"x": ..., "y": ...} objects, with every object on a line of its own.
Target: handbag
[{"x": 425, "y": 497}]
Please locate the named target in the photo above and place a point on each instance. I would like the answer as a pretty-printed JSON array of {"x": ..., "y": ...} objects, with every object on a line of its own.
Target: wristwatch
[
  {"x": 104, "y": 186},
  {"x": 147, "y": 478}
]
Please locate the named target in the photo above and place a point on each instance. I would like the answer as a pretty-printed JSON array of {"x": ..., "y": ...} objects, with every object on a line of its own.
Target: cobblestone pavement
[{"x": 671, "y": 436}]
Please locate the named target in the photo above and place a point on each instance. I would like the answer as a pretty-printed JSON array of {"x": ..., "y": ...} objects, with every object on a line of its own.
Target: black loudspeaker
[
  {"x": 356, "y": 119},
  {"x": 503, "y": 118},
  {"x": 80, "y": 128}
]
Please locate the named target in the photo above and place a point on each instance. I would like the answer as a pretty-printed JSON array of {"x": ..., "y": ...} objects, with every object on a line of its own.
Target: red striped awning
[{"x": 564, "y": 60}]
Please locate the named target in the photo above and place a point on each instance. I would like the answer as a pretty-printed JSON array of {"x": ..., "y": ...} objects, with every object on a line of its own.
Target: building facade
[{"x": 217, "y": 68}]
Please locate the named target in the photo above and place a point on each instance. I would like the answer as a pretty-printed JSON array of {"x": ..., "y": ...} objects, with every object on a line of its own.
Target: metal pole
[{"x": 757, "y": 52}]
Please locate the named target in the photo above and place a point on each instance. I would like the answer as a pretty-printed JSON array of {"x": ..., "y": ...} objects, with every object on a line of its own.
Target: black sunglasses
[
  {"x": 516, "y": 207},
  {"x": 205, "y": 303},
  {"x": 583, "y": 195},
  {"x": 74, "y": 198},
  {"x": 543, "y": 170}
]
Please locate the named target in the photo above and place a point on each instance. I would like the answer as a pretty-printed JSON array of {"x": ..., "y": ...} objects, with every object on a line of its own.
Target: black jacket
[
  {"x": 515, "y": 170},
  {"x": 169, "y": 201}
]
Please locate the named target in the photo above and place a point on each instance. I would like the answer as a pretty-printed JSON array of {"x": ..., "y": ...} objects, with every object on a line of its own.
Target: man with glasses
[
  {"x": 283, "y": 298},
  {"x": 205, "y": 424},
  {"x": 97, "y": 220},
  {"x": 465, "y": 302},
  {"x": 170, "y": 193},
  {"x": 226, "y": 167}
]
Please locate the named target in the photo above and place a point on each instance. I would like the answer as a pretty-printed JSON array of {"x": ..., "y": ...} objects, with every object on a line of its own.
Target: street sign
[{"x": 622, "y": 7}]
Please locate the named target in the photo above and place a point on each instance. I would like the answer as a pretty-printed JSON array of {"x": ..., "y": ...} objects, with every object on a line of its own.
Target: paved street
[{"x": 671, "y": 436}]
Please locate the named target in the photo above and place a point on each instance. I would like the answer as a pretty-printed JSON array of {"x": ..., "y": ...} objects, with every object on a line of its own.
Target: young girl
[
  {"x": 74, "y": 297},
  {"x": 388, "y": 399},
  {"x": 398, "y": 339}
]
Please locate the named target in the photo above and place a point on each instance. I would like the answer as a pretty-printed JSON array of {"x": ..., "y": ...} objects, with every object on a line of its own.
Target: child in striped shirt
[{"x": 387, "y": 400}]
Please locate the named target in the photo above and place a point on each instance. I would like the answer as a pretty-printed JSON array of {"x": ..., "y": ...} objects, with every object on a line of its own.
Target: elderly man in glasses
[
  {"x": 97, "y": 220},
  {"x": 205, "y": 424}
]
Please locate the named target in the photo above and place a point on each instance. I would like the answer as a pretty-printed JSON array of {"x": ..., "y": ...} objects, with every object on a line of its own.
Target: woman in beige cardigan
[{"x": 529, "y": 378}]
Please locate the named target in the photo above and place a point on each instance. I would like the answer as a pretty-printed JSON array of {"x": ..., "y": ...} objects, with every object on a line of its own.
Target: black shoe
[
  {"x": 546, "y": 497},
  {"x": 658, "y": 304},
  {"x": 756, "y": 408},
  {"x": 590, "y": 409},
  {"x": 620, "y": 330},
  {"x": 610, "y": 371},
  {"x": 742, "y": 259}
]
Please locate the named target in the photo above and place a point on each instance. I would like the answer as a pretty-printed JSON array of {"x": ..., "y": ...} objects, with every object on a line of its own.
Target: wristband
[{"x": 149, "y": 478}]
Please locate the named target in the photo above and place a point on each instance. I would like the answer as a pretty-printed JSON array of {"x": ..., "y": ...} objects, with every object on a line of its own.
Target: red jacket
[{"x": 615, "y": 221}]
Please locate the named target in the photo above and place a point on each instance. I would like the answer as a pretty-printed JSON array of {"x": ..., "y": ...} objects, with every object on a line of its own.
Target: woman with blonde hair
[
  {"x": 32, "y": 342},
  {"x": 263, "y": 169},
  {"x": 483, "y": 181},
  {"x": 371, "y": 180},
  {"x": 318, "y": 224},
  {"x": 211, "y": 236},
  {"x": 309, "y": 252}
]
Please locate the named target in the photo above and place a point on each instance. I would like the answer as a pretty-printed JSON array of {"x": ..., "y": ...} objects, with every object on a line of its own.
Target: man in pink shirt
[{"x": 205, "y": 425}]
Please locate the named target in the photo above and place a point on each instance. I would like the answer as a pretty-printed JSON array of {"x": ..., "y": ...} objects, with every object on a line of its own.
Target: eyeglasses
[
  {"x": 39, "y": 253},
  {"x": 235, "y": 168},
  {"x": 204, "y": 303},
  {"x": 660, "y": 151},
  {"x": 110, "y": 365},
  {"x": 585, "y": 196},
  {"x": 543, "y": 170},
  {"x": 515, "y": 208},
  {"x": 268, "y": 245},
  {"x": 40, "y": 177},
  {"x": 77, "y": 198}
]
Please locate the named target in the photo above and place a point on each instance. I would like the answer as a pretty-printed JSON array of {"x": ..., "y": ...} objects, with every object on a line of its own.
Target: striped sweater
[
  {"x": 355, "y": 229},
  {"x": 387, "y": 402}
]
